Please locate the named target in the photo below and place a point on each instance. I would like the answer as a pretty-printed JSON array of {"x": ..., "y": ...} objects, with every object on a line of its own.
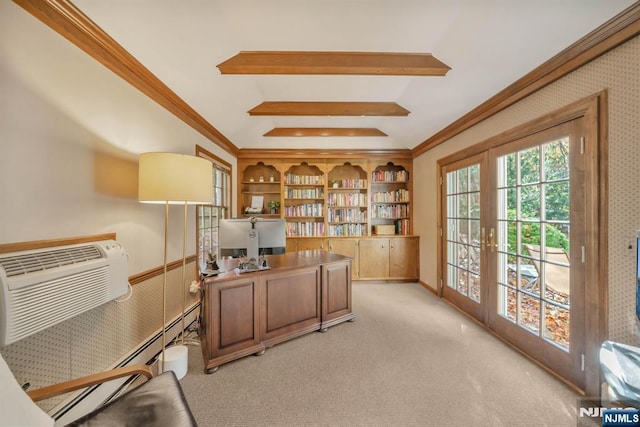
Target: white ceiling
[{"x": 488, "y": 44}]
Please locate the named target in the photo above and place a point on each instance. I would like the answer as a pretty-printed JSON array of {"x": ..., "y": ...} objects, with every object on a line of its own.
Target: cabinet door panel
[
  {"x": 234, "y": 322},
  {"x": 336, "y": 293},
  {"x": 374, "y": 258},
  {"x": 292, "y": 244},
  {"x": 308, "y": 244},
  {"x": 403, "y": 260},
  {"x": 346, "y": 247}
]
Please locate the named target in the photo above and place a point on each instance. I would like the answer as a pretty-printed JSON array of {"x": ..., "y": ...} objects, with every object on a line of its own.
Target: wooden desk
[{"x": 245, "y": 313}]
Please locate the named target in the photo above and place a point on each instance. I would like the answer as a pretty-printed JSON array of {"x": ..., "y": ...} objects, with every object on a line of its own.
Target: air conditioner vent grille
[{"x": 19, "y": 265}]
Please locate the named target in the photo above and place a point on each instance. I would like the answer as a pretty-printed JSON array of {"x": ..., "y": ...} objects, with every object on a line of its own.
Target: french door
[{"x": 513, "y": 221}]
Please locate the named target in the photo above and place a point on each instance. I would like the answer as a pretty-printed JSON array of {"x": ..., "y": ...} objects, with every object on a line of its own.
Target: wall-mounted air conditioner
[{"x": 43, "y": 287}]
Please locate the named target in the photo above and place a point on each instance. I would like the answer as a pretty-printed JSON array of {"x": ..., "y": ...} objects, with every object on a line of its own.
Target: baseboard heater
[{"x": 146, "y": 353}]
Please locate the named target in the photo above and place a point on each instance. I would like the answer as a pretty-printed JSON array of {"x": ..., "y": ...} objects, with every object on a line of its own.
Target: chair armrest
[{"x": 88, "y": 381}]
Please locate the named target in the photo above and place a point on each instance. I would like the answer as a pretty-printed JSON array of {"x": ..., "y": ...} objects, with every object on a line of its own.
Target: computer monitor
[{"x": 235, "y": 239}]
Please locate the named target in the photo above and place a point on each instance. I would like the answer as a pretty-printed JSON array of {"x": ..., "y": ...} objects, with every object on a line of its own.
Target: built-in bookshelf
[
  {"x": 331, "y": 197},
  {"x": 390, "y": 198},
  {"x": 304, "y": 198},
  {"x": 347, "y": 204},
  {"x": 260, "y": 184}
]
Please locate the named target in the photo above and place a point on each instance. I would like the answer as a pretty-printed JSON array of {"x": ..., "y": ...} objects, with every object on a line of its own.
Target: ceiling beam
[
  {"x": 300, "y": 132},
  {"x": 356, "y": 63},
  {"x": 257, "y": 154},
  {"x": 284, "y": 108}
]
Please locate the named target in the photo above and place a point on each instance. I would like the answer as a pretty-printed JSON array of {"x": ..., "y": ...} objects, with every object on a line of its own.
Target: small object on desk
[
  {"x": 212, "y": 264},
  {"x": 208, "y": 273}
]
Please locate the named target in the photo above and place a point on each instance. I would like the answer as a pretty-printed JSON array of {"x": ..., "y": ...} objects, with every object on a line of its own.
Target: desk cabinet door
[
  {"x": 290, "y": 304},
  {"x": 234, "y": 317},
  {"x": 336, "y": 292}
]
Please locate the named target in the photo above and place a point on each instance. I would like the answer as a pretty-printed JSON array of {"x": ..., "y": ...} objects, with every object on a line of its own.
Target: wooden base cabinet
[
  {"x": 349, "y": 248},
  {"x": 392, "y": 258},
  {"x": 373, "y": 258}
]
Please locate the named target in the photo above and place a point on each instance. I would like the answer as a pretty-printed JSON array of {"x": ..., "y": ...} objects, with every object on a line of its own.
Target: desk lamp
[{"x": 169, "y": 178}]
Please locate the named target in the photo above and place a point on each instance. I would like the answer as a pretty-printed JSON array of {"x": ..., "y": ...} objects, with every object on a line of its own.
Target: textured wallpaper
[
  {"x": 97, "y": 340},
  {"x": 619, "y": 73}
]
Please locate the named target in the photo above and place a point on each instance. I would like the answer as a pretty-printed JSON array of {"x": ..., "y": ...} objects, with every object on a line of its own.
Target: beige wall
[
  {"x": 618, "y": 72},
  {"x": 67, "y": 171}
]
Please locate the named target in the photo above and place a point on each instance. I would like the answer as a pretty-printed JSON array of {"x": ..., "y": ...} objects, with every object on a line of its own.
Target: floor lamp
[{"x": 169, "y": 178}]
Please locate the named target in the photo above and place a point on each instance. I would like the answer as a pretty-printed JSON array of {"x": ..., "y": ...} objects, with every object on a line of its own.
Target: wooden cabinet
[
  {"x": 348, "y": 248},
  {"x": 403, "y": 257},
  {"x": 373, "y": 258},
  {"x": 309, "y": 244},
  {"x": 393, "y": 258}
]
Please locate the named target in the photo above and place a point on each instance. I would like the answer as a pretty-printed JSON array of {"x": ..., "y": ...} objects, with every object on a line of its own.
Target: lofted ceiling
[{"x": 487, "y": 44}]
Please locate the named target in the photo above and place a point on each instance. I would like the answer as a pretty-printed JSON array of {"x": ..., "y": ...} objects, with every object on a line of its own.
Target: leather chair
[{"x": 159, "y": 401}]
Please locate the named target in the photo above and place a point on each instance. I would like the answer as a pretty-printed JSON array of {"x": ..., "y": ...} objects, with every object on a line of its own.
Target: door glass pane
[
  {"x": 533, "y": 229},
  {"x": 463, "y": 231}
]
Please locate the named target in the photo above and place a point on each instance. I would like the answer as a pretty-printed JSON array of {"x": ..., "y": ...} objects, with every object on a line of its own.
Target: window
[{"x": 208, "y": 215}]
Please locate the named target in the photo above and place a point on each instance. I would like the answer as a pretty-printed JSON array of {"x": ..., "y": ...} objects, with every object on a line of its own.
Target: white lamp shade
[{"x": 174, "y": 178}]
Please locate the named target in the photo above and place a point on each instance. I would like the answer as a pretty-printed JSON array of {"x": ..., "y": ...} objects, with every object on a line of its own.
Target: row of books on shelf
[
  {"x": 350, "y": 183},
  {"x": 390, "y": 211},
  {"x": 305, "y": 229},
  {"x": 347, "y": 230},
  {"x": 346, "y": 215},
  {"x": 304, "y": 193},
  {"x": 304, "y": 179},
  {"x": 308, "y": 209},
  {"x": 347, "y": 199},
  {"x": 396, "y": 196},
  {"x": 402, "y": 226},
  {"x": 390, "y": 176}
]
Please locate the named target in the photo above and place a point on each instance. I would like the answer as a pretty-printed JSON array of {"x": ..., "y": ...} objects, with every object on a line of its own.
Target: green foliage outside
[
  {"x": 555, "y": 158},
  {"x": 530, "y": 233}
]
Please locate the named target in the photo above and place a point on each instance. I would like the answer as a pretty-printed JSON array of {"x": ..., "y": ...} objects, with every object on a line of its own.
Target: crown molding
[
  {"x": 608, "y": 36},
  {"x": 68, "y": 21}
]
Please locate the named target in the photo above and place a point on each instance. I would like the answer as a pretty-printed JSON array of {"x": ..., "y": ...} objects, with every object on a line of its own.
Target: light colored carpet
[{"x": 409, "y": 359}]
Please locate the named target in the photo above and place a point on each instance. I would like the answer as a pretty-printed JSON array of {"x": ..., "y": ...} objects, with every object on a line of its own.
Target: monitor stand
[{"x": 252, "y": 249}]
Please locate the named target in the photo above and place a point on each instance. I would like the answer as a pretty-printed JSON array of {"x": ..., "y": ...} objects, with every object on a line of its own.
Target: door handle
[
  {"x": 483, "y": 239},
  {"x": 492, "y": 240}
]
